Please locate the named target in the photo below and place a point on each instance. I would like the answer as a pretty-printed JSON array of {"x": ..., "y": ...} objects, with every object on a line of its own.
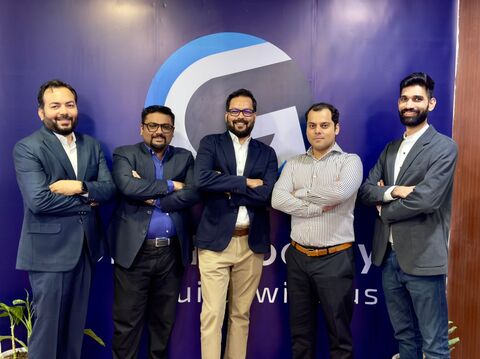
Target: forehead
[
  {"x": 58, "y": 94},
  {"x": 241, "y": 102},
  {"x": 158, "y": 117},
  {"x": 323, "y": 115},
  {"x": 414, "y": 90}
]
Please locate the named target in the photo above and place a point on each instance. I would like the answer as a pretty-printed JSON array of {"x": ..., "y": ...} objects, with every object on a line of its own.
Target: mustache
[
  {"x": 409, "y": 110},
  {"x": 159, "y": 135},
  {"x": 240, "y": 121},
  {"x": 64, "y": 117}
]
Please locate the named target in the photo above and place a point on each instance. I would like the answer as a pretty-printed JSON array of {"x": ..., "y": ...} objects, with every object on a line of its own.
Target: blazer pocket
[{"x": 51, "y": 228}]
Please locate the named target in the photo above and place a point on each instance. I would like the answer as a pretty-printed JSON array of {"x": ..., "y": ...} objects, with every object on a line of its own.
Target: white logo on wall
[{"x": 195, "y": 81}]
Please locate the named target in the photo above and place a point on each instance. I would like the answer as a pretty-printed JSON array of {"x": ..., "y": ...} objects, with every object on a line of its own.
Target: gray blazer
[
  {"x": 129, "y": 224},
  {"x": 420, "y": 223}
]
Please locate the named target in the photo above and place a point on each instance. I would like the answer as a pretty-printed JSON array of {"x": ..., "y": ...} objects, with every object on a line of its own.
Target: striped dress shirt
[{"x": 307, "y": 185}]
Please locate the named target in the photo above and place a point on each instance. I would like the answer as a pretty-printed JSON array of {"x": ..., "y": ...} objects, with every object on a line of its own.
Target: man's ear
[
  {"x": 337, "y": 129},
  {"x": 41, "y": 113},
  {"x": 432, "y": 103}
]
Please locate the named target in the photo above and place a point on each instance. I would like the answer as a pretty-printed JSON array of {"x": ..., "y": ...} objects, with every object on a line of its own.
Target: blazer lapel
[
  {"x": 229, "y": 152},
  {"x": 391, "y": 156},
  {"x": 145, "y": 166},
  {"x": 56, "y": 148},
  {"x": 252, "y": 157},
  {"x": 82, "y": 157},
  {"x": 415, "y": 151}
]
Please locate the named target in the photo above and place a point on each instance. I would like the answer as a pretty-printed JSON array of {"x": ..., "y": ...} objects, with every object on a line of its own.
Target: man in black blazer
[
  {"x": 63, "y": 177},
  {"x": 236, "y": 174},
  {"x": 411, "y": 187},
  {"x": 150, "y": 234}
]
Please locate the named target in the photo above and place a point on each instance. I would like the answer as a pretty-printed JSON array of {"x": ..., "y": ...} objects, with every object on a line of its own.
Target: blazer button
[{"x": 149, "y": 212}]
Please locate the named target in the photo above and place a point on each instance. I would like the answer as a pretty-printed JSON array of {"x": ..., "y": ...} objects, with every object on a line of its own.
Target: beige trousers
[{"x": 238, "y": 270}]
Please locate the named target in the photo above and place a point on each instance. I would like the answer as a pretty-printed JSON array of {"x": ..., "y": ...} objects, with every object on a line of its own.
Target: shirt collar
[
  {"x": 236, "y": 140},
  {"x": 416, "y": 135},
  {"x": 334, "y": 148},
  {"x": 153, "y": 153},
  {"x": 63, "y": 139}
]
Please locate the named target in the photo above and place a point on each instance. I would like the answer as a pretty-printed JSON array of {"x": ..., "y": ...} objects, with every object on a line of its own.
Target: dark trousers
[
  {"x": 60, "y": 302},
  {"x": 148, "y": 290},
  {"x": 327, "y": 280}
]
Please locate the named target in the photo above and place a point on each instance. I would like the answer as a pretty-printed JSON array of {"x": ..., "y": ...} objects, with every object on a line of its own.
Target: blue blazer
[
  {"x": 55, "y": 226},
  {"x": 420, "y": 223},
  {"x": 224, "y": 192},
  {"x": 129, "y": 224}
]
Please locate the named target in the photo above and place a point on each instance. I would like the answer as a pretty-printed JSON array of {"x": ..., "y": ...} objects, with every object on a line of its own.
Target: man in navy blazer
[
  {"x": 411, "y": 186},
  {"x": 236, "y": 174},
  {"x": 63, "y": 177},
  {"x": 150, "y": 234}
]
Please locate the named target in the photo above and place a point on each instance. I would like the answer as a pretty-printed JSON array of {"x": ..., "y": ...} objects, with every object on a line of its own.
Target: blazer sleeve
[
  {"x": 139, "y": 189},
  {"x": 429, "y": 194},
  {"x": 370, "y": 192},
  {"x": 186, "y": 197},
  {"x": 208, "y": 178},
  {"x": 261, "y": 195},
  {"x": 34, "y": 186},
  {"x": 103, "y": 188}
]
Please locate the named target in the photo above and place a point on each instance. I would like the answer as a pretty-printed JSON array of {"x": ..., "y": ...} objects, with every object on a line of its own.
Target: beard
[
  {"x": 52, "y": 124},
  {"x": 158, "y": 147},
  {"x": 413, "y": 121},
  {"x": 243, "y": 133}
]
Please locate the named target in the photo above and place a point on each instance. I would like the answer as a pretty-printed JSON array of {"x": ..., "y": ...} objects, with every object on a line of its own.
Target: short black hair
[
  {"x": 238, "y": 93},
  {"x": 322, "y": 106},
  {"x": 421, "y": 79},
  {"x": 158, "y": 108},
  {"x": 53, "y": 84}
]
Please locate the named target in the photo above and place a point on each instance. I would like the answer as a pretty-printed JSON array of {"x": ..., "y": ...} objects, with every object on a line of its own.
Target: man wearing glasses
[
  {"x": 150, "y": 234},
  {"x": 236, "y": 174}
]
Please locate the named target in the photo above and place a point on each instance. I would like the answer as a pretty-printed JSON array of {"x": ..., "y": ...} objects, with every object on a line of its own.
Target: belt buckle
[
  {"x": 311, "y": 252},
  {"x": 159, "y": 240}
]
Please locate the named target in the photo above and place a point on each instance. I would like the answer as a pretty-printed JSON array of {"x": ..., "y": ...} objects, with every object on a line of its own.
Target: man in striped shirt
[{"x": 318, "y": 189}]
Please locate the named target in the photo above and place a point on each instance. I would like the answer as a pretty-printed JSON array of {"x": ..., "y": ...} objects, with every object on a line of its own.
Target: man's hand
[
  {"x": 254, "y": 182},
  {"x": 135, "y": 174},
  {"x": 66, "y": 187},
  {"x": 402, "y": 191},
  {"x": 177, "y": 186}
]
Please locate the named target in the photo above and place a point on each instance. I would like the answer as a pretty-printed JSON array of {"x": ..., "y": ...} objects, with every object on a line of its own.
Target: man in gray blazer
[
  {"x": 150, "y": 234},
  {"x": 63, "y": 177},
  {"x": 411, "y": 186}
]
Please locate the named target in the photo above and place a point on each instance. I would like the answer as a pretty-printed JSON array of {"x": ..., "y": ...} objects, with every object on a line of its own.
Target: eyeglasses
[
  {"x": 153, "y": 127},
  {"x": 234, "y": 112}
]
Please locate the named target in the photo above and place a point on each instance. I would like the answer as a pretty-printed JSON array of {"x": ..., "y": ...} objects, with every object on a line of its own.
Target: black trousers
[
  {"x": 328, "y": 281},
  {"x": 146, "y": 292}
]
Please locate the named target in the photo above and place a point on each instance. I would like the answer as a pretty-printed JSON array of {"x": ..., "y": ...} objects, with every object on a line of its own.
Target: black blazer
[
  {"x": 129, "y": 224},
  {"x": 55, "y": 226},
  {"x": 224, "y": 192},
  {"x": 420, "y": 223}
]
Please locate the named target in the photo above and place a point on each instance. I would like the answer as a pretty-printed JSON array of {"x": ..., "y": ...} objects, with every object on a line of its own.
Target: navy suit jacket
[
  {"x": 224, "y": 192},
  {"x": 55, "y": 226},
  {"x": 420, "y": 223},
  {"x": 131, "y": 219}
]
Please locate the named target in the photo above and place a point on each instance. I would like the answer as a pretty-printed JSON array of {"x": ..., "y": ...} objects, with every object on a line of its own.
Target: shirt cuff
[
  {"x": 170, "y": 185},
  {"x": 387, "y": 195}
]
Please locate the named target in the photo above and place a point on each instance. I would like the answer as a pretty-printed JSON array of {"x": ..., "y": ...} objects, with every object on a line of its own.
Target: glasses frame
[
  {"x": 165, "y": 127},
  {"x": 250, "y": 112}
]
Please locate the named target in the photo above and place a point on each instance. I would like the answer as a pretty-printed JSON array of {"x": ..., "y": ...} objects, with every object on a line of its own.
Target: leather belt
[
  {"x": 158, "y": 242},
  {"x": 240, "y": 231},
  {"x": 319, "y": 252}
]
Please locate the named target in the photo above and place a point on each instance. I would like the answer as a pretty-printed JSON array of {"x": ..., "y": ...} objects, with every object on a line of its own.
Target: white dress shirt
[{"x": 241, "y": 153}]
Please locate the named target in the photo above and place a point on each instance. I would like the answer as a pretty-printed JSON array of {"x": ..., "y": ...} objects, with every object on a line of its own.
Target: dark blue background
[{"x": 353, "y": 53}]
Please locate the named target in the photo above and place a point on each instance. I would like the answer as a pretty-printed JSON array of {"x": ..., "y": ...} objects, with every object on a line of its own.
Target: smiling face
[
  {"x": 321, "y": 131},
  {"x": 240, "y": 125},
  {"x": 414, "y": 105},
  {"x": 158, "y": 139},
  {"x": 59, "y": 112}
]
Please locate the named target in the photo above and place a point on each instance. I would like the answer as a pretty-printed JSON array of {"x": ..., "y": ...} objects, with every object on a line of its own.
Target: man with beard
[
  {"x": 318, "y": 189},
  {"x": 411, "y": 187},
  {"x": 236, "y": 174},
  {"x": 150, "y": 234},
  {"x": 63, "y": 177}
]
